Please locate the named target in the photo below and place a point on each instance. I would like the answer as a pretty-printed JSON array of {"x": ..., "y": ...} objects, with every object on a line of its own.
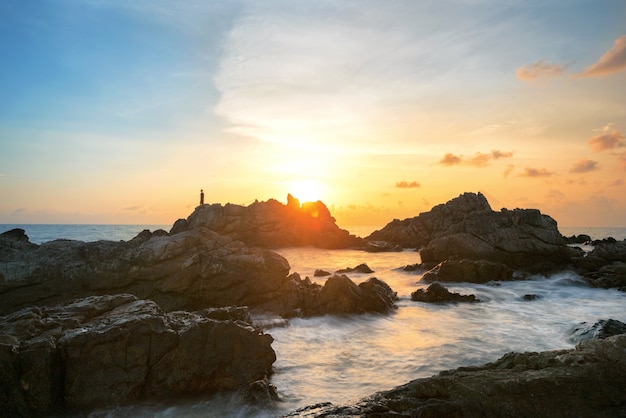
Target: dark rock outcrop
[
  {"x": 340, "y": 295},
  {"x": 587, "y": 381},
  {"x": 604, "y": 328},
  {"x": 605, "y": 265},
  {"x": 469, "y": 271},
  {"x": 361, "y": 268},
  {"x": 191, "y": 270},
  {"x": 107, "y": 350},
  {"x": 271, "y": 224},
  {"x": 467, "y": 227},
  {"x": 436, "y": 293},
  {"x": 577, "y": 239}
]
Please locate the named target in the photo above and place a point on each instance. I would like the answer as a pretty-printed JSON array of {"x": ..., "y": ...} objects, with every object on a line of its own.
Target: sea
[{"x": 341, "y": 359}]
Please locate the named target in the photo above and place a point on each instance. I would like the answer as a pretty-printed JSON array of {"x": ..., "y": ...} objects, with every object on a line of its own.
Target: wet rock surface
[
  {"x": 603, "y": 328},
  {"x": 582, "y": 382},
  {"x": 108, "y": 350},
  {"x": 341, "y": 296},
  {"x": 436, "y": 293}
]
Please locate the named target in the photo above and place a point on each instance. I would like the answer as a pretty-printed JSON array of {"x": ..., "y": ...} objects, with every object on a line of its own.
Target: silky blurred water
[{"x": 344, "y": 358}]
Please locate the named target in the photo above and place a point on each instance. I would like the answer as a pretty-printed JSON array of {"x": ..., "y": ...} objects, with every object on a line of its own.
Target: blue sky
[{"x": 119, "y": 112}]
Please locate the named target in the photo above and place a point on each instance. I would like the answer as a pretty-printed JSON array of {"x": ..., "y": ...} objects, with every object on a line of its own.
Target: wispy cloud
[
  {"x": 508, "y": 170},
  {"x": 583, "y": 166},
  {"x": 479, "y": 159},
  {"x": 617, "y": 183},
  {"x": 614, "y": 60},
  {"x": 610, "y": 138},
  {"x": 622, "y": 159},
  {"x": 538, "y": 70},
  {"x": 537, "y": 172},
  {"x": 451, "y": 159},
  {"x": 407, "y": 185}
]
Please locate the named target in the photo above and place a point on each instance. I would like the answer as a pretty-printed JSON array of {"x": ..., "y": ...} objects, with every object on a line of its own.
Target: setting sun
[{"x": 306, "y": 190}]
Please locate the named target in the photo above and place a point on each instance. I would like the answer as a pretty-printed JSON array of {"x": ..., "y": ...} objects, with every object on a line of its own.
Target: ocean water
[
  {"x": 344, "y": 358},
  {"x": 40, "y": 233}
]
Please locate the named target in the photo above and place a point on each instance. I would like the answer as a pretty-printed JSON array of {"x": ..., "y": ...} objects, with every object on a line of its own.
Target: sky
[{"x": 119, "y": 112}]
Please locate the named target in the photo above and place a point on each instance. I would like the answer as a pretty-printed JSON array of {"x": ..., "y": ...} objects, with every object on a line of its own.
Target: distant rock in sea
[{"x": 467, "y": 228}]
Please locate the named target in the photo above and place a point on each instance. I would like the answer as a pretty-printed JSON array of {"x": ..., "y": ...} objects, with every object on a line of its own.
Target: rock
[
  {"x": 577, "y": 239},
  {"x": 605, "y": 265},
  {"x": 361, "y": 268},
  {"x": 531, "y": 296},
  {"x": 271, "y": 224},
  {"x": 436, "y": 293},
  {"x": 468, "y": 271},
  {"x": 604, "y": 328},
  {"x": 321, "y": 273},
  {"x": 608, "y": 276},
  {"x": 381, "y": 246},
  {"x": 103, "y": 351},
  {"x": 191, "y": 270},
  {"x": 467, "y": 227},
  {"x": 340, "y": 295},
  {"x": 413, "y": 267},
  {"x": 582, "y": 382}
]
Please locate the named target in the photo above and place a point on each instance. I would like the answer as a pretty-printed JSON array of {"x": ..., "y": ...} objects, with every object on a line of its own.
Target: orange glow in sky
[{"x": 120, "y": 112}]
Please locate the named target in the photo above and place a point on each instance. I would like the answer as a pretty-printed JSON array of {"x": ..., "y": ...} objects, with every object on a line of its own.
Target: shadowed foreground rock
[
  {"x": 108, "y": 350},
  {"x": 587, "y": 381}
]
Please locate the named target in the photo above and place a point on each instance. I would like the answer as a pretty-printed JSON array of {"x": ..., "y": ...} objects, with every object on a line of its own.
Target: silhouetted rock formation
[
  {"x": 103, "y": 351},
  {"x": 436, "y": 293},
  {"x": 577, "y": 239},
  {"x": 467, "y": 228},
  {"x": 271, "y": 224},
  {"x": 587, "y": 381}
]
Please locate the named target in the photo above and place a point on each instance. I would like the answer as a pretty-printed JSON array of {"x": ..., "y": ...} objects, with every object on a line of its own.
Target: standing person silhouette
[{"x": 201, "y": 197}]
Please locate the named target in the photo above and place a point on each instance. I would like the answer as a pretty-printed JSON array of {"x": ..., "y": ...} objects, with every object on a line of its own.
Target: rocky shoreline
[{"x": 91, "y": 324}]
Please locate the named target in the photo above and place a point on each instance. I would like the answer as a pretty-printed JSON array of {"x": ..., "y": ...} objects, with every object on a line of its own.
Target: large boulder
[
  {"x": 190, "y": 270},
  {"x": 108, "y": 350},
  {"x": 340, "y": 295},
  {"x": 272, "y": 224},
  {"x": 467, "y": 227},
  {"x": 587, "y": 381}
]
